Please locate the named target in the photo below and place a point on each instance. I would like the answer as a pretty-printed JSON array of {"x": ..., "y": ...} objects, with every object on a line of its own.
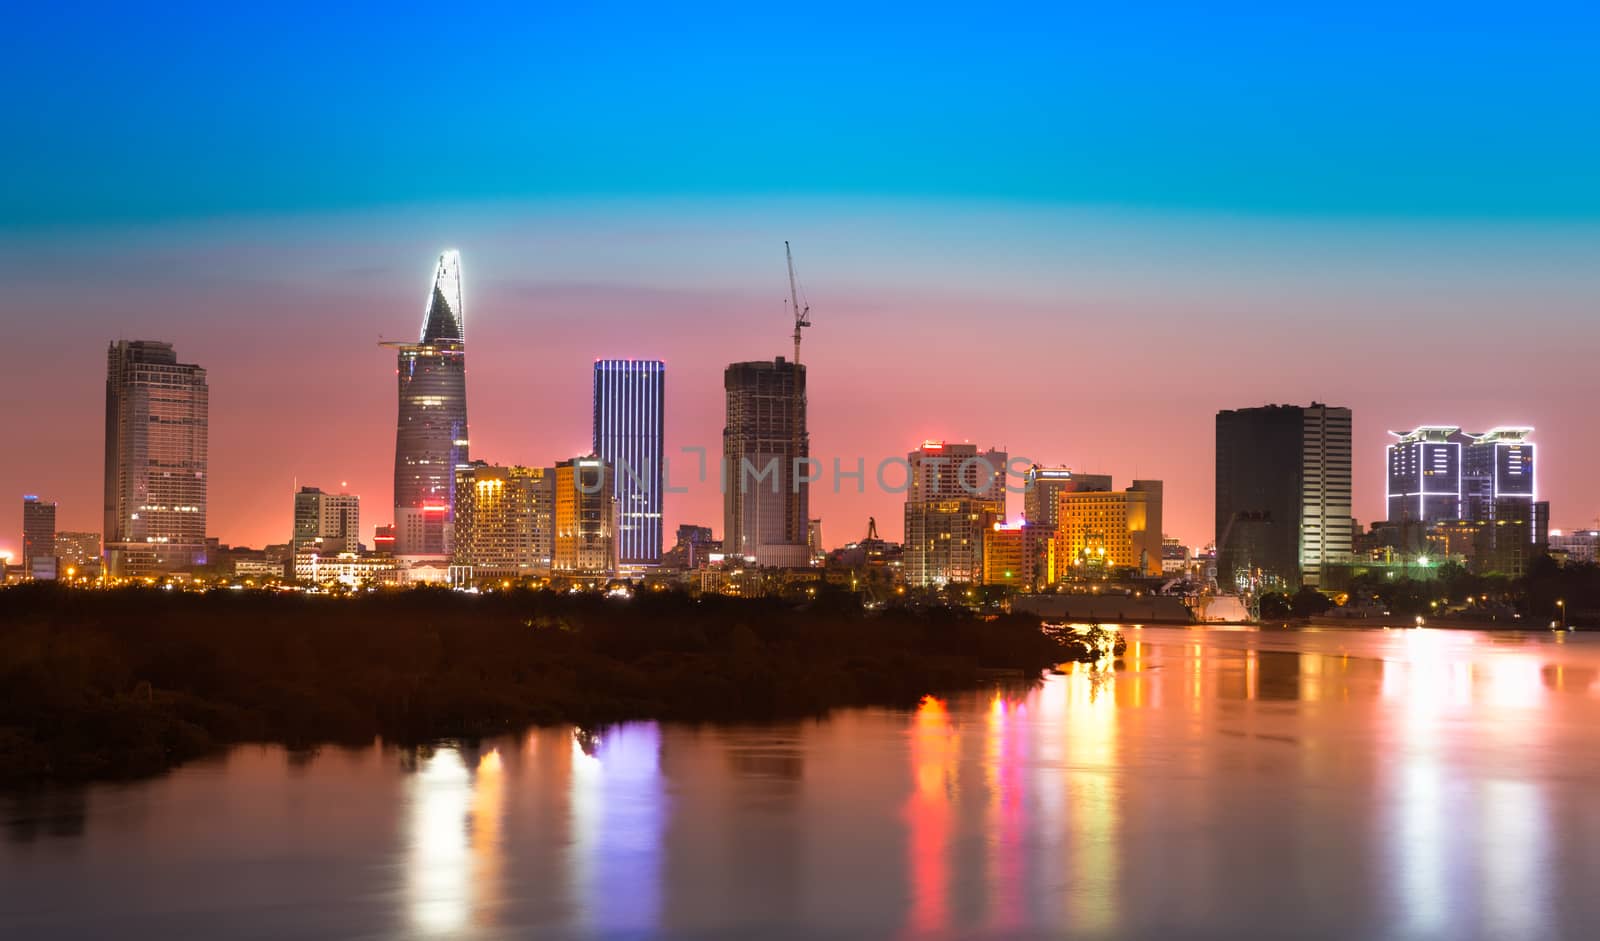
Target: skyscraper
[
  {"x": 155, "y": 475},
  {"x": 326, "y": 523},
  {"x": 955, "y": 494},
  {"x": 431, "y": 432},
  {"x": 766, "y": 504},
  {"x": 629, "y": 413},
  {"x": 1283, "y": 494},
  {"x": 1496, "y": 470},
  {"x": 38, "y": 537},
  {"x": 1424, "y": 474}
]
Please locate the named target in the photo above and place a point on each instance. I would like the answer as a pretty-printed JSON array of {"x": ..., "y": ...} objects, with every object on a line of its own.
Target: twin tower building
[{"x": 595, "y": 514}]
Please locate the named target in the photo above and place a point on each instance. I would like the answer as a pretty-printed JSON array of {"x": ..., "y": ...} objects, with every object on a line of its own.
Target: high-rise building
[
  {"x": 38, "y": 537},
  {"x": 585, "y": 518},
  {"x": 156, "y": 454},
  {"x": 1424, "y": 467},
  {"x": 766, "y": 498},
  {"x": 1283, "y": 494},
  {"x": 505, "y": 520},
  {"x": 955, "y": 494},
  {"x": 326, "y": 523},
  {"x": 1044, "y": 483},
  {"x": 629, "y": 414},
  {"x": 431, "y": 433},
  {"x": 1497, "y": 470}
]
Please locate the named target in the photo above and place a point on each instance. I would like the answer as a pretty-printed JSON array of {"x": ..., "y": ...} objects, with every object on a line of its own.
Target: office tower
[
  {"x": 766, "y": 502},
  {"x": 505, "y": 520},
  {"x": 1283, "y": 494},
  {"x": 155, "y": 471},
  {"x": 585, "y": 518},
  {"x": 1044, "y": 483},
  {"x": 79, "y": 552},
  {"x": 1099, "y": 531},
  {"x": 1497, "y": 470},
  {"x": 954, "y": 494},
  {"x": 629, "y": 412},
  {"x": 431, "y": 433},
  {"x": 326, "y": 523},
  {"x": 38, "y": 537},
  {"x": 814, "y": 540},
  {"x": 1424, "y": 474}
]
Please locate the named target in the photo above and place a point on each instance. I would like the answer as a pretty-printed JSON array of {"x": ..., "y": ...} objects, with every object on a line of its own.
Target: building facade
[
  {"x": 1283, "y": 508},
  {"x": 157, "y": 424},
  {"x": 328, "y": 523},
  {"x": 38, "y": 537},
  {"x": 1105, "y": 531},
  {"x": 766, "y": 502},
  {"x": 431, "y": 430},
  {"x": 954, "y": 495},
  {"x": 629, "y": 415},
  {"x": 1044, "y": 483},
  {"x": 505, "y": 520},
  {"x": 585, "y": 519},
  {"x": 79, "y": 552},
  {"x": 1020, "y": 555},
  {"x": 1424, "y": 474}
]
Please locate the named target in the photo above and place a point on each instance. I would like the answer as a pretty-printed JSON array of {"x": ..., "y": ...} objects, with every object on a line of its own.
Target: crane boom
[{"x": 802, "y": 315}]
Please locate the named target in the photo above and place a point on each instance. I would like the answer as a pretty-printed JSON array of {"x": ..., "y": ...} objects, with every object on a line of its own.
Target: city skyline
[{"x": 242, "y": 522}]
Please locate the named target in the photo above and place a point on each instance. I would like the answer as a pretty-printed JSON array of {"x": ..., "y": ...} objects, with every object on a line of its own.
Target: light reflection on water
[{"x": 1429, "y": 784}]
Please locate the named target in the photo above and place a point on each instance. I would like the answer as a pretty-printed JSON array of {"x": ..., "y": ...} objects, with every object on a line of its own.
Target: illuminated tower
[
  {"x": 628, "y": 413},
  {"x": 431, "y": 434},
  {"x": 157, "y": 413}
]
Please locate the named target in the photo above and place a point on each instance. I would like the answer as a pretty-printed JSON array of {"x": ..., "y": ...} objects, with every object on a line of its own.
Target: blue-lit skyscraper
[{"x": 629, "y": 397}]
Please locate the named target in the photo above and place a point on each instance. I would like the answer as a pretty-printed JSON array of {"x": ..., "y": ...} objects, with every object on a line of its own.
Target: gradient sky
[{"x": 1073, "y": 232}]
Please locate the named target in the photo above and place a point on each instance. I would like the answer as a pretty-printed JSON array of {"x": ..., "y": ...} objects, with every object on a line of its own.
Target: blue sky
[{"x": 1435, "y": 110}]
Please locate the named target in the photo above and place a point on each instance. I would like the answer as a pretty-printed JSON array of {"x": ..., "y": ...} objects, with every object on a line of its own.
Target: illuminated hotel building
[
  {"x": 1424, "y": 468},
  {"x": 1044, "y": 483},
  {"x": 505, "y": 520},
  {"x": 431, "y": 432},
  {"x": 1438, "y": 473},
  {"x": 155, "y": 460},
  {"x": 954, "y": 495},
  {"x": 629, "y": 412},
  {"x": 766, "y": 510},
  {"x": 1109, "y": 530},
  {"x": 585, "y": 518},
  {"x": 328, "y": 523},
  {"x": 1283, "y": 494}
]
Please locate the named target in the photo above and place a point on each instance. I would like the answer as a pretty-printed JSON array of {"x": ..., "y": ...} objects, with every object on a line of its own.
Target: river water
[{"x": 1218, "y": 783}]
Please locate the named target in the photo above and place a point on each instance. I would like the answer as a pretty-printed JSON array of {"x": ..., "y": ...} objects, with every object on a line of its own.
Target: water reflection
[{"x": 1243, "y": 783}]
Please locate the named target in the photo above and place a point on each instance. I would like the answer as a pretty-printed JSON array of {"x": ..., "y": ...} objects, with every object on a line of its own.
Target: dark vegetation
[{"x": 131, "y": 682}]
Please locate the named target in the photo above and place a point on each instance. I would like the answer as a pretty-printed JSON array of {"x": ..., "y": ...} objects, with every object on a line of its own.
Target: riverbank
[{"x": 97, "y": 685}]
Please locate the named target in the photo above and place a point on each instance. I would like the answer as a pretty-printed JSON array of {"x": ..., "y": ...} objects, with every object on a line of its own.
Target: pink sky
[{"x": 1102, "y": 340}]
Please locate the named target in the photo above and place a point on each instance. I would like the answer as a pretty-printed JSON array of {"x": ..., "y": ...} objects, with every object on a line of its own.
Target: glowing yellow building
[
  {"x": 504, "y": 520},
  {"x": 1111, "y": 530}
]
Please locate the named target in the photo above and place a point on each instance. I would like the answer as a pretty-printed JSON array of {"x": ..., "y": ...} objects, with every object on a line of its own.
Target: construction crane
[
  {"x": 802, "y": 315},
  {"x": 802, "y": 318}
]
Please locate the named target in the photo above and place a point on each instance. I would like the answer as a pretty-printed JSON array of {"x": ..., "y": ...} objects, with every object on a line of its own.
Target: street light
[{"x": 1563, "y": 606}]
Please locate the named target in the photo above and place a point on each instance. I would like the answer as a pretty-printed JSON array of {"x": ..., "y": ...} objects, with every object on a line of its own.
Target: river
[{"x": 1219, "y": 782}]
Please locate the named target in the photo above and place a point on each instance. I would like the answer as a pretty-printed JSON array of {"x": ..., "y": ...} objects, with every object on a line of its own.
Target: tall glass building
[
  {"x": 157, "y": 422},
  {"x": 431, "y": 434},
  {"x": 629, "y": 411}
]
